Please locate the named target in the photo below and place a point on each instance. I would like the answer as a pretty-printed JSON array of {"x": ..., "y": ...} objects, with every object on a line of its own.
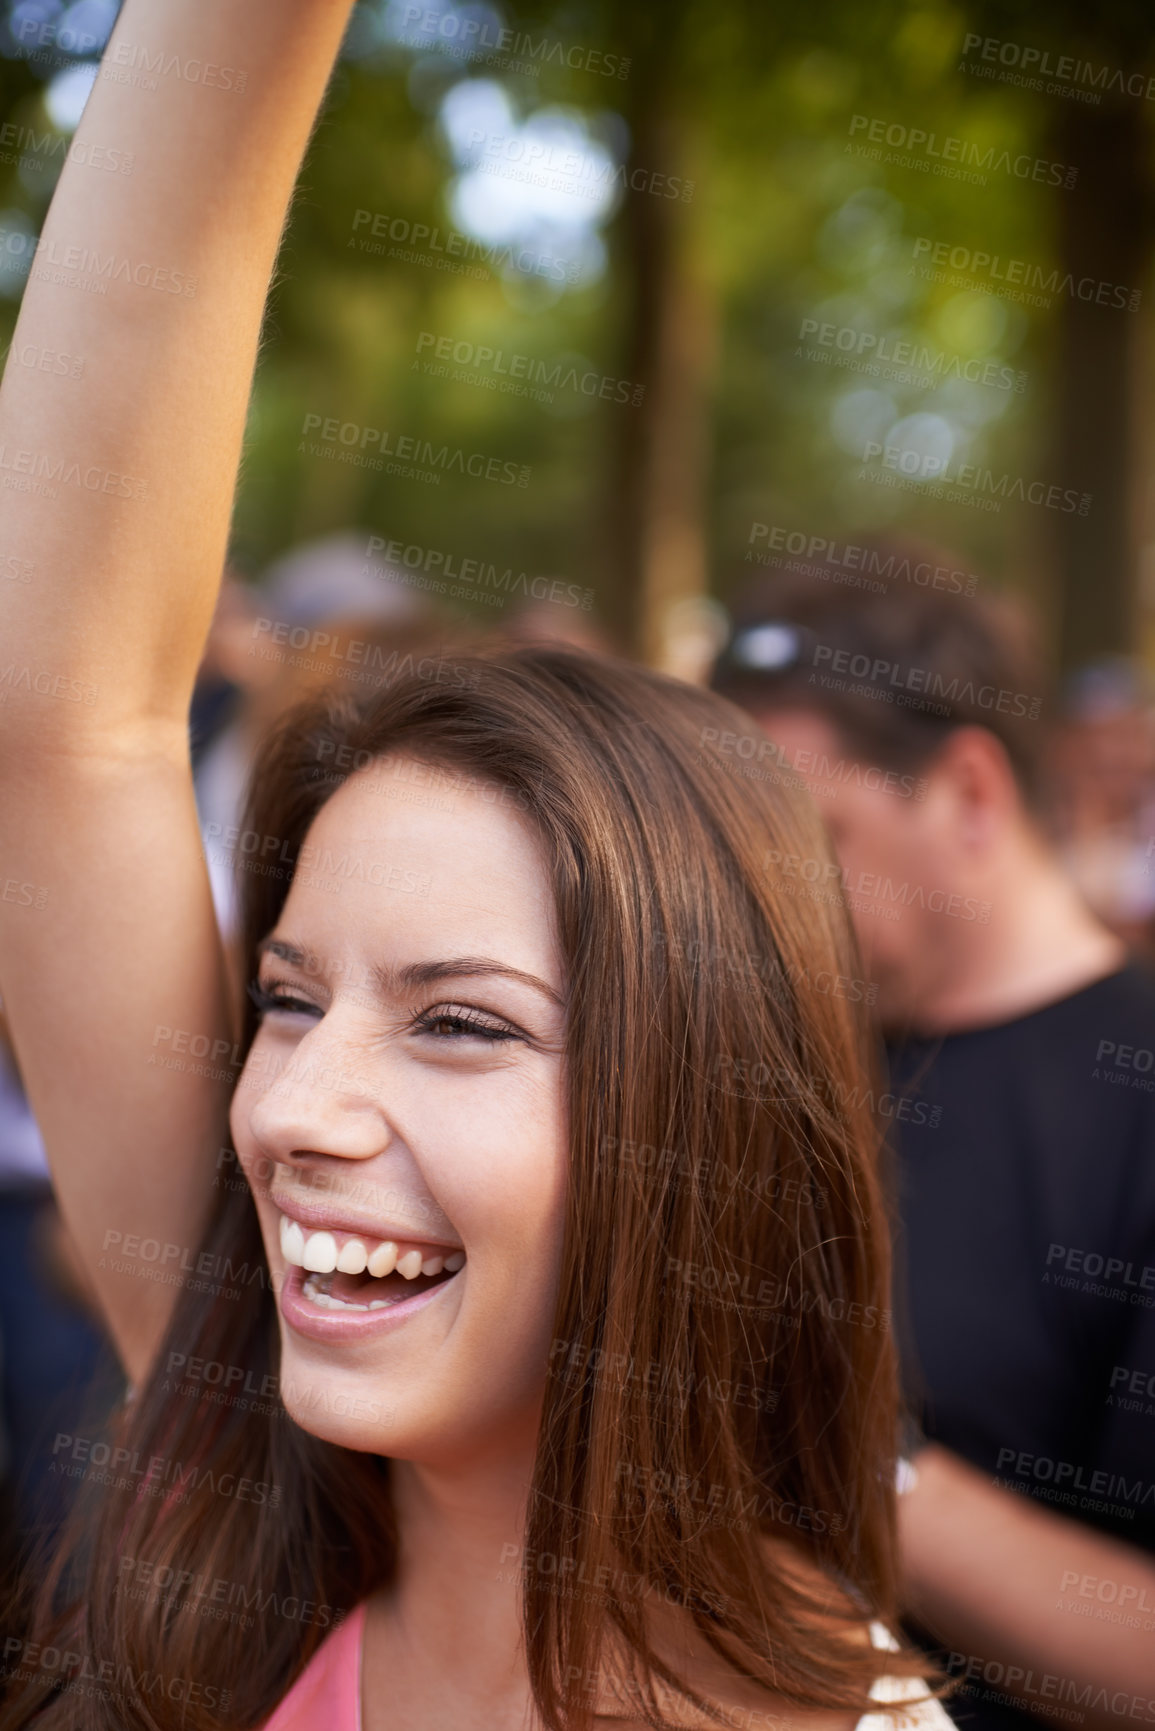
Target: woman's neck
[{"x": 450, "y": 1623}]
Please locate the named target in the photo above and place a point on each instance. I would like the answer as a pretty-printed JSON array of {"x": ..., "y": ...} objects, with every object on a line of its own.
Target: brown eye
[{"x": 453, "y": 1025}]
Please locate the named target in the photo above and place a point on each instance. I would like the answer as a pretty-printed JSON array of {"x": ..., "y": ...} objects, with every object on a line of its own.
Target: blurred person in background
[
  {"x": 1103, "y": 764},
  {"x": 1022, "y": 1110},
  {"x": 326, "y": 614}
]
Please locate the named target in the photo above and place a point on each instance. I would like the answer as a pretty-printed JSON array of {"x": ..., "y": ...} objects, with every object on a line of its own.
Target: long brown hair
[{"x": 721, "y": 1367}]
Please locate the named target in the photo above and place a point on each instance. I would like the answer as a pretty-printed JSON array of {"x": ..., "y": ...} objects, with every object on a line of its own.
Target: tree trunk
[
  {"x": 656, "y": 522},
  {"x": 1104, "y": 232}
]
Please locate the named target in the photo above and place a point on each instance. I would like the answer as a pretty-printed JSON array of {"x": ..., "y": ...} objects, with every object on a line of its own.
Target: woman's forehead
[{"x": 463, "y": 874}]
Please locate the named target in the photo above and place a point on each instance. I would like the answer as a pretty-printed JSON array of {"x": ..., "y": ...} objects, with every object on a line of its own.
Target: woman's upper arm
[{"x": 113, "y": 979}]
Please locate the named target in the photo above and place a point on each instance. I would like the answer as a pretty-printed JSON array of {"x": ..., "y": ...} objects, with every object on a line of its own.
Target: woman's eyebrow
[
  {"x": 461, "y": 967},
  {"x": 392, "y": 980}
]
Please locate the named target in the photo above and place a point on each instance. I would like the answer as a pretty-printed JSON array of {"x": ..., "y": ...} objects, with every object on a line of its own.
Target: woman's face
[{"x": 406, "y": 1089}]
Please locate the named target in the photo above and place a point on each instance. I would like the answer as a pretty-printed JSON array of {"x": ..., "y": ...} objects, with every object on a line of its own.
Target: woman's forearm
[{"x": 152, "y": 270}]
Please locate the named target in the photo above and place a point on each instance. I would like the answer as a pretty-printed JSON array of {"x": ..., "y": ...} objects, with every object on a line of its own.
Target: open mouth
[
  {"x": 365, "y": 1291},
  {"x": 344, "y": 1271}
]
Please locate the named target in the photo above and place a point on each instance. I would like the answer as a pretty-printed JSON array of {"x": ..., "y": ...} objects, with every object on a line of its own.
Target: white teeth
[
  {"x": 353, "y": 1257},
  {"x": 327, "y": 1301},
  {"x": 292, "y": 1242},
  {"x": 320, "y": 1253},
  {"x": 317, "y": 1253},
  {"x": 384, "y": 1259}
]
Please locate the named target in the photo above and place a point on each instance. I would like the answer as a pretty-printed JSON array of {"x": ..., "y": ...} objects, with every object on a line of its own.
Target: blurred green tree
[{"x": 764, "y": 291}]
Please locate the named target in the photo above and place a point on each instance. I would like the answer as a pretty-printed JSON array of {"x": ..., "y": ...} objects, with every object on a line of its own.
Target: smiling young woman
[{"x": 540, "y": 1371}]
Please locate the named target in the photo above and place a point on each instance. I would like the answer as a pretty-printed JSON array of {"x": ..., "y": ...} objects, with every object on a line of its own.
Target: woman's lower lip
[{"x": 338, "y": 1325}]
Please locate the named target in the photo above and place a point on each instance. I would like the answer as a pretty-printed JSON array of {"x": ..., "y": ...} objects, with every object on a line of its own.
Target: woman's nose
[{"x": 317, "y": 1098}]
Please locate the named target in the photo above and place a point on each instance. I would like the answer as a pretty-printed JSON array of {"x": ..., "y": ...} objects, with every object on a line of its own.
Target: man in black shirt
[{"x": 1021, "y": 1045}]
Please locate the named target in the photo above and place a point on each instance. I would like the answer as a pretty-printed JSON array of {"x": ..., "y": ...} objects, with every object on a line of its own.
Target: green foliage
[{"x": 791, "y": 225}]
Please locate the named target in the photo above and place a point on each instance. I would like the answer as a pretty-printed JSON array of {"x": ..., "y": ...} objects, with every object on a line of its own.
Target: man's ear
[{"x": 977, "y": 776}]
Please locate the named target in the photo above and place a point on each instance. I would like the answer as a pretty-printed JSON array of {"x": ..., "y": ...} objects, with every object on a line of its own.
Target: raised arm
[{"x": 116, "y": 484}]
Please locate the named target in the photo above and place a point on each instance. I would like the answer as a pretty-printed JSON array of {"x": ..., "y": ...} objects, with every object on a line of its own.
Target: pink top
[{"x": 327, "y": 1694}]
